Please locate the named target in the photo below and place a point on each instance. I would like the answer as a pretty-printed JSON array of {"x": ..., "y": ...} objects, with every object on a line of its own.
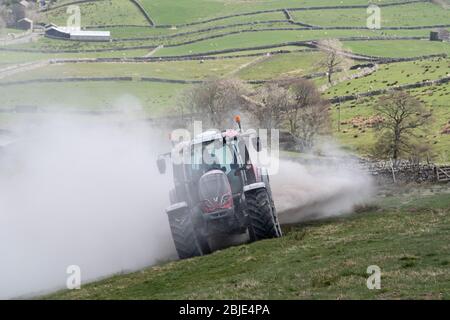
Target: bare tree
[
  {"x": 402, "y": 115},
  {"x": 268, "y": 105},
  {"x": 334, "y": 59},
  {"x": 307, "y": 113},
  {"x": 215, "y": 100},
  {"x": 313, "y": 121}
]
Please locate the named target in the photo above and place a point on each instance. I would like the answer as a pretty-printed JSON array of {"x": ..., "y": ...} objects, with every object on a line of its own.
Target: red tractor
[{"x": 218, "y": 191}]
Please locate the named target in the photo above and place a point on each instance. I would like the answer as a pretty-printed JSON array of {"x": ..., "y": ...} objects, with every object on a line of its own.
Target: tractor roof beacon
[{"x": 218, "y": 191}]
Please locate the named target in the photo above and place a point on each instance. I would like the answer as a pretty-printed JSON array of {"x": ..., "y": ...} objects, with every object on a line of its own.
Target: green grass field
[
  {"x": 190, "y": 70},
  {"x": 249, "y": 39},
  {"x": 416, "y": 14},
  {"x": 395, "y": 49},
  {"x": 185, "y": 11},
  {"x": 7, "y": 57},
  {"x": 106, "y": 12},
  {"x": 293, "y": 64},
  {"x": 389, "y": 75},
  {"x": 155, "y": 99},
  {"x": 160, "y": 99},
  {"x": 405, "y": 234},
  {"x": 229, "y": 38}
]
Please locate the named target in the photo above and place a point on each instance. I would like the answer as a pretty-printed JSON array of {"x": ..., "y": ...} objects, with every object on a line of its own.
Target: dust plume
[
  {"x": 320, "y": 188},
  {"x": 79, "y": 191}
]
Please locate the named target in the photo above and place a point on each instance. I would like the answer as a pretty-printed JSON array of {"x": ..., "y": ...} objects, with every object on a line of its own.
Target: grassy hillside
[
  {"x": 396, "y": 49},
  {"x": 392, "y": 74},
  {"x": 208, "y": 27},
  {"x": 107, "y": 12},
  {"x": 360, "y": 138},
  {"x": 415, "y": 14},
  {"x": 406, "y": 235},
  {"x": 153, "y": 98},
  {"x": 185, "y": 11}
]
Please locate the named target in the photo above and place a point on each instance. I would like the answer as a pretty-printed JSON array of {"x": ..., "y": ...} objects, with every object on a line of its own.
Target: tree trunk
[{"x": 396, "y": 151}]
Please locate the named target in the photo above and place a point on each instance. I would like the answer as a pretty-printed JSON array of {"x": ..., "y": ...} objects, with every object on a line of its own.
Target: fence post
[{"x": 393, "y": 171}]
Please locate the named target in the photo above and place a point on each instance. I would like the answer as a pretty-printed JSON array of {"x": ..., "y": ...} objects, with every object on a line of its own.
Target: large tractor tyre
[
  {"x": 263, "y": 223},
  {"x": 183, "y": 235}
]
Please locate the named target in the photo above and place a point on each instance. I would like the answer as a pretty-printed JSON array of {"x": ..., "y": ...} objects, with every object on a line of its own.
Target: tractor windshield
[{"x": 215, "y": 155}]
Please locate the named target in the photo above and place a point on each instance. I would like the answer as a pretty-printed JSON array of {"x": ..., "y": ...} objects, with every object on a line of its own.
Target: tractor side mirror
[
  {"x": 161, "y": 163},
  {"x": 257, "y": 144}
]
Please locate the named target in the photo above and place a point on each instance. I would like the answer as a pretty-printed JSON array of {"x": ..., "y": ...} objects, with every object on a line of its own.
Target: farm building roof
[
  {"x": 76, "y": 34},
  {"x": 90, "y": 33}
]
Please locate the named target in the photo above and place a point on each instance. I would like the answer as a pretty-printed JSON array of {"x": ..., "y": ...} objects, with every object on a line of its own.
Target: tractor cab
[
  {"x": 213, "y": 151},
  {"x": 218, "y": 191}
]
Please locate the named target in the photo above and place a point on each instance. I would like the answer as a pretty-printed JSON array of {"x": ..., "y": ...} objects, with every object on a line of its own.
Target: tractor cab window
[{"x": 214, "y": 155}]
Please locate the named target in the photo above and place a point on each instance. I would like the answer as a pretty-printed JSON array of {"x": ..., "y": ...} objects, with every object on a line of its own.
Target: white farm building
[
  {"x": 56, "y": 32},
  {"x": 90, "y": 35}
]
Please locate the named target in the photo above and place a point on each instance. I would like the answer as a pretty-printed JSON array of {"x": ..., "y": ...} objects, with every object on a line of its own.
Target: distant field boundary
[
  {"x": 173, "y": 58},
  {"x": 382, "y": 28},
  {"x": 222, "y": 35},
  {"x": 136, "y": 79},
  {"x": 293, "y": 29},
  {"x": 69, "y": 79},
  {"x": 97, "y": 79},
  {"x": 386, "y": 60},
  {"x": 307, "y": 43},
  {"x": 205, "y": 30}
]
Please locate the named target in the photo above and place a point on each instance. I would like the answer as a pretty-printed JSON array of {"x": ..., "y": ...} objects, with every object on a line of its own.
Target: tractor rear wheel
[
  {"x": 263, "y": 223},
  {"x": 183, "y": 235}
]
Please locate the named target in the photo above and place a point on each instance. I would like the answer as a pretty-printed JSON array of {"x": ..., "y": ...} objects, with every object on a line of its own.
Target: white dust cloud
[
  {"x": 80, "y": 192},
  {"x": 321, "y": 188}
]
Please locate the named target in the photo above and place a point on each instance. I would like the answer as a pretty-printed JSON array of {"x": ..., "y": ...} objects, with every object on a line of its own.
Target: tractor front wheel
[
  {"x": 262, "y": 220},
  {"x": 183, "y": 235}
]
